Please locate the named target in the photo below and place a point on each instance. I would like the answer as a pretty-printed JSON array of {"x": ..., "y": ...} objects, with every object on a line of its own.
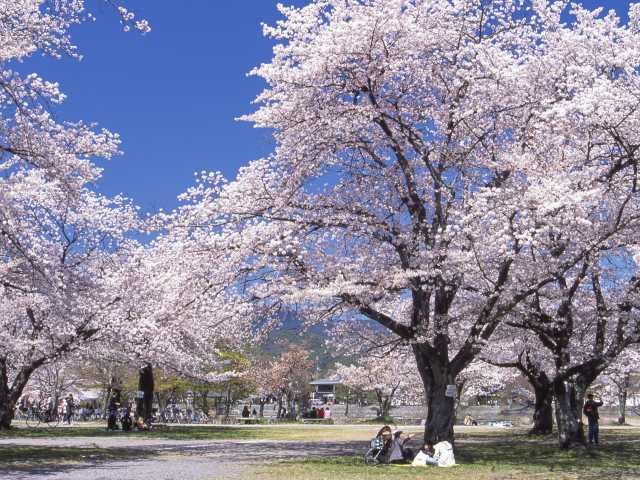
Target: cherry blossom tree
[
  {"x": 617, "y": 381},
  {"x": 585, "y": 321},
  {"x": 58, "y": 293},
  {"x": 286, "y": 378},
  {"x": 59, "y": 240},
  {"x": 514, "y": 348},
  {"x": 437, "y": 164}
]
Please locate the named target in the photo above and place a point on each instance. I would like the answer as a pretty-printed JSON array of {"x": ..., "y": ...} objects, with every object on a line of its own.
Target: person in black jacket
[
  {"x": 112, "y": 418},
  {"x": 590, "y": 410}
]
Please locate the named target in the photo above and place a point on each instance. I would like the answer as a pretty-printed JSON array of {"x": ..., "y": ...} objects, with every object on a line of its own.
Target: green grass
[
  {"x": 299, "y": 432},
  {"x": 295, "y": 433},
  {"x": 173, "y": 433},
  {"x": 26, "y": 457},
  {"x": 485, "y": 461},
  {"x": 381, "y": 420}
]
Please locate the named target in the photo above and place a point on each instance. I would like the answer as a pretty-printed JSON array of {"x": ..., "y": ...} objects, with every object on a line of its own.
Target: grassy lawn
[
  {"x": 23, "y": 457},
  {"x": 482, "y": 461},
  {"x": 297, "y": 432},
  {"x": 293, "y": 433}
]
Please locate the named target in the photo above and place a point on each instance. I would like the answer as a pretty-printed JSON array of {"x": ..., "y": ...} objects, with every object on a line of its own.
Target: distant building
[{"x": 325, "y": 391}]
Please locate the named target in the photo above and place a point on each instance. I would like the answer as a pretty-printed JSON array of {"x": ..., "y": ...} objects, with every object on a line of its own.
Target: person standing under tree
[
  {"x": 114, "y": 404},
  {"x": 69, "y": 409},
  {"x": 590, "y": 410}
]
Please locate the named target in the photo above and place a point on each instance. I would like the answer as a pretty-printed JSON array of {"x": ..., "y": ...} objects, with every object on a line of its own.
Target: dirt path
[{"x": 172, "y": 460}]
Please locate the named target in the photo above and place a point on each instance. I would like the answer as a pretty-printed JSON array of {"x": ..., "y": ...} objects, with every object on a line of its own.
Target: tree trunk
[
  {"x": 144, "y": 405},
  {"x": 9, "y": 395},
  {"x": 380, "y": 404},
  {"x": 436, "y": 376},
  {"x": 569, "y": 413},
  {"x": 346, "y": 408},
  {"x": 262, "y": 402},
  {"x": 6, "y": 413},
  {"x": 105, "y": 401},
  {"x": 543, "y": 413},
  {"x": 227, "y": 404},
  {"x": 459, "y": 389},
  {"x": 623, "y": 387},
  {"x": 440, "y": 414},
  {"x": 386, "y": 407},
  {"x": 622, "y": 406},
  {"x": 6, "y": 405},
  {"x": 205, "y": 402}
]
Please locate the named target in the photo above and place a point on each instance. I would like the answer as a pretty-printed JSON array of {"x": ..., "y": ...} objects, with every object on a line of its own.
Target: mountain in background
[{"x": 293, "y": 331}]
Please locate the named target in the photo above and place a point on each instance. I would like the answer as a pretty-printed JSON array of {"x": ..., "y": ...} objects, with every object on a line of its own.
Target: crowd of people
[
  {"x": 64, "y": 409},
  {"x": 322, "y": 413}
]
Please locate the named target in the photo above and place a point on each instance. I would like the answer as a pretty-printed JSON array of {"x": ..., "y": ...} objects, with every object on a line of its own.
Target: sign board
[{"x": 451, "y": 391}]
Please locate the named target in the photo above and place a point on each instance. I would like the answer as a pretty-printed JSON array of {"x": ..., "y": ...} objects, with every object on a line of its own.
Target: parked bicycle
[{"x": 42, "y": 413}]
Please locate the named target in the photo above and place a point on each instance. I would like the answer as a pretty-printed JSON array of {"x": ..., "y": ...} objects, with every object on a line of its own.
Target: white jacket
[{"x": 444, "y": 454}]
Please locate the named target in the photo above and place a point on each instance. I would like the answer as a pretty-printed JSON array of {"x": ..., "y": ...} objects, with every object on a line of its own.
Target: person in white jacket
[{"x": 440, "y": 455}]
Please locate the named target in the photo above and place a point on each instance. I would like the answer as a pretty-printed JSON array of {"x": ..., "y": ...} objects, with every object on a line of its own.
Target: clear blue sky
[{"x": 174, "y": 93}]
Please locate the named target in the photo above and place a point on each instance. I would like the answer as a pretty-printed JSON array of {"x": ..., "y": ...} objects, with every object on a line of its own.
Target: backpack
[{"x": 588, "y": 409}]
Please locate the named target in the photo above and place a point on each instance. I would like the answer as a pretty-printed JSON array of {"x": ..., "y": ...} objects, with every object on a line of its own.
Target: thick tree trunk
[
  {"x": 6, "y": 404},
  {"x": 441, "y": 414},
  {"x": 9, "y": 394},
  {"x": 543, "y": 413},
  {"x": 569, "y": 413},
  {"x": 438, "y": 381},
  {"x": 144, "y": 405}
]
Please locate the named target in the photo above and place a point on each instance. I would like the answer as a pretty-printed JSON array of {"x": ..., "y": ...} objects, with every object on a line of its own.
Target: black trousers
[{"x": 594, "y": 430}]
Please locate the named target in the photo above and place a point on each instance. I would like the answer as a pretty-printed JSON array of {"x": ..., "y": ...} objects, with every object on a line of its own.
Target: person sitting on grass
[
  {"x": 397, "y": 451},
  {"x": 469, "y": 421},
  {"x": 140, "y": 425},
  {"x": 438, "y": 455}
]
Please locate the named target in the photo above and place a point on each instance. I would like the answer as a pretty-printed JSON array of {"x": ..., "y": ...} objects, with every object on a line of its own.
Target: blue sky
[{"x": 173, "y": 94}]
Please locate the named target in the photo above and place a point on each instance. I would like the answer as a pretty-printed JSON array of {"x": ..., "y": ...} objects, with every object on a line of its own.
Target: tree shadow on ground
[
  {"x": 33, "y": 459},
  {"x": 593, "y": 462}
]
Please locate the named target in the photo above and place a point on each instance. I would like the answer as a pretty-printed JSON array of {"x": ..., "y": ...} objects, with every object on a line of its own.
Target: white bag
[{"x": 420, "y": 459}]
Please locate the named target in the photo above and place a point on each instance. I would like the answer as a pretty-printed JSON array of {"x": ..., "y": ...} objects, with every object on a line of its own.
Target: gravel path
[{"x": 173, "y": 460}]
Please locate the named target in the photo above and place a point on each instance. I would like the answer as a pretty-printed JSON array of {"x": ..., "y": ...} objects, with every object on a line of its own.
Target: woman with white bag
[{"x": 440, "y": 455}]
